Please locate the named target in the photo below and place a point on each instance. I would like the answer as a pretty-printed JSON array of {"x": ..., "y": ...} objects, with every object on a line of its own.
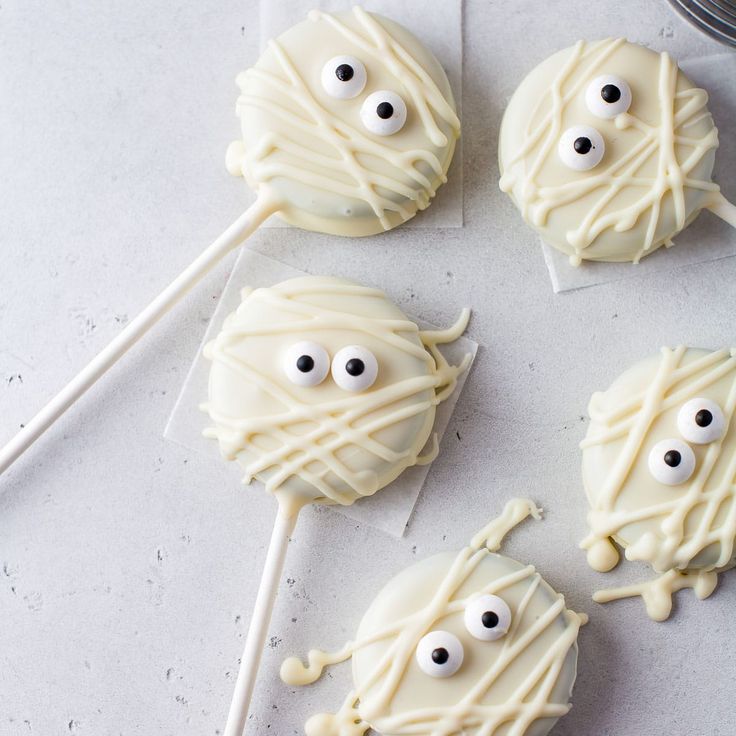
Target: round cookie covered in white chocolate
[
  {"x": 325, "y": 390},
  {"x": 468, "y": 643},
  {"x": 348, "y": 122},
  {"x": 659, "y": 468},
  {"x": 607, "y": 149}
]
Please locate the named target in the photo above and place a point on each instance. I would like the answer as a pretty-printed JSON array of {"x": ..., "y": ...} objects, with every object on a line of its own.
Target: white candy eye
[
  {"x": 671, "y": 462},
  {"x": 440, "y": 654},
  {"x": 608, "y": 96},
  {"x": 487, "y": 617},
  {"x": 306, "y": 364},
  {"x": 581, "y": 148},
  {"x": 344, "y": 77},
  {"x": 354, "y": 368},
  {"x": 701, "y": 421},
  {"x": 383, "y": 113}
]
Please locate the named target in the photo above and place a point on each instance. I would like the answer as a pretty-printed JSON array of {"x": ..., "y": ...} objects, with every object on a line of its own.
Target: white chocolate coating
[
  {"x": 655, "y": 174},
  {"x": 687, "y": 527},
  {"x": 311, "y": 152},
  {"x": 518, "y": 684},
  {"x": 322, "y": 443}
]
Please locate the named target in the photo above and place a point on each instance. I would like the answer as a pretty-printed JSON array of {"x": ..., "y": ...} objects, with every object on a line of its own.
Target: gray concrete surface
[{"x": 128, "y": 566}]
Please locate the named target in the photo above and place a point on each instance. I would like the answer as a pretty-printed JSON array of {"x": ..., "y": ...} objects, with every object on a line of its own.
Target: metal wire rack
[{"x": 716, "y": 17}]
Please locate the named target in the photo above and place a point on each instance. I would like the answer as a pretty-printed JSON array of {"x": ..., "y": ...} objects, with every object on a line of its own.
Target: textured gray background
[{"x": 127, "y": 566}]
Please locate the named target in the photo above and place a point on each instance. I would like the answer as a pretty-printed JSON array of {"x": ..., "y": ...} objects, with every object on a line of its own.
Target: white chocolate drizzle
[
  {"x": 531, "y": 699},
  {"x": 673, "y": 550},
  {"x": 514, "y": 512},
  {"x": 338, "y": 423},
  {"x": 657, "y": 593},
  {"x": 673, "y": 172},
  {"x": 347, "y": 173}
]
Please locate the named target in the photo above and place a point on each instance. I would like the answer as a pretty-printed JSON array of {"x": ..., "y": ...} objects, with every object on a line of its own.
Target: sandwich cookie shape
[
  {"x": 348, "y": 122},
  {"x": 470, "y": 642},
  {"x": 607, "y": 149},
  {"x": 659, "y": 468},
  {"x": 325, "y": 390}
]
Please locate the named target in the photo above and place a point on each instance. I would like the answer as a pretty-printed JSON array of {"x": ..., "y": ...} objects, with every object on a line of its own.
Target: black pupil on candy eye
[
  {"x": 440, "y": 655},
  {"x": 354, "y": 367},
  {"x": 703, "y": 418},
  {"x": 489, "y": 619},
  {"x": 610, "y": 93},
  {"x": 344, "y": 72},
  {"x": 385, "y": 110},
  {"x": 305, "y": 363},
  {"x": 582, "y": 145},
  {"x": 672, "y": 458}
]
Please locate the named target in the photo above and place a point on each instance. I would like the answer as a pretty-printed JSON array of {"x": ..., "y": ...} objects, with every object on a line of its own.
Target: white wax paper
[{"x": 390, "y": 509}]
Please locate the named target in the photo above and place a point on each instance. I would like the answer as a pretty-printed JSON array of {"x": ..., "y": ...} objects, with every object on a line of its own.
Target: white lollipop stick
[
  {"x": 241, "y": 229},
  {"x": 254, "y": 643},
  {"x": 724, "y": 209}
]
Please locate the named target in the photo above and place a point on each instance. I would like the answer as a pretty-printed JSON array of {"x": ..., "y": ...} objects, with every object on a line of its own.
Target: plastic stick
[
  {"x": 256, "y": 639},
  {"x": 724, "y": 209},
  {"x": 241, "y": 229}
]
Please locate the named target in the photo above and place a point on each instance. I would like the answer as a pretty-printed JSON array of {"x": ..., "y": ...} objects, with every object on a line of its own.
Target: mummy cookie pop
[
  {"x": 470, "y": 642},
  {"x": 659, "y": 467},
  {"x": 352, "y": 139},
  {"x": 607, "y": 149},
  {"x": 325, "y": 391},
  {"x": 349, "y": 127}
]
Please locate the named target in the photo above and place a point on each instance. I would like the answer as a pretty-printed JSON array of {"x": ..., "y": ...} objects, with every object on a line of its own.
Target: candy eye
[
  {"x": 671, "y": 462},
  {"x": 487, "y": 617},
  {"x": 701, "y": 421},
  {"x": 608, "y": 96},
  {"x": 440, "y": 654},
  {"x": 581, "y": 148},
  {"x": 344, "y": 77},
  {"x": 306, "y": 364},
  {"x": 383, "y": 113},
  {"x": 354, "y": 368}
]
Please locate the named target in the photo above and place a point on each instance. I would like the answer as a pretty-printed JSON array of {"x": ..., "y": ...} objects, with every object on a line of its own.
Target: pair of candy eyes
[
  {"x": 354, "y": 368},
  {"x": 441, "y": 654},
  {"x": 700, "y": 422},
  {"x": 581, "y": 147},
  {"x": 382, "y": 112}
]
